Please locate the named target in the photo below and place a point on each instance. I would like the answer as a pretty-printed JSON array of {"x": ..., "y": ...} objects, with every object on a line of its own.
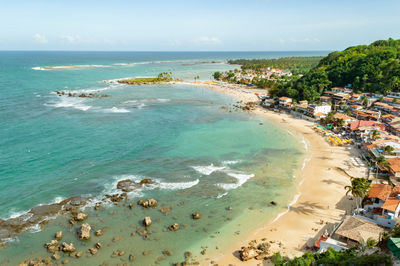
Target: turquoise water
[{"x": 54, "y": 147}]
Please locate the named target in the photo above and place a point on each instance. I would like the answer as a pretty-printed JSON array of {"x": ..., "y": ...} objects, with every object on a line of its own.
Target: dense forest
[
  {"x": 366, "y": 68},
  {"x": 297, "y": 65}
]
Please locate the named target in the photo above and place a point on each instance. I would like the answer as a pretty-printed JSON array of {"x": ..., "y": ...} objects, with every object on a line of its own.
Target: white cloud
[
  {"x": 208, "y": 40},
  {"x": 71, "y": 38},
  {"x": 40, "y": 38}
]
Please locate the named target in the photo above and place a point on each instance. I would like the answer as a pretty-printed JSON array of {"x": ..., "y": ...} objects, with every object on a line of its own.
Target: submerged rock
[
  {"x": 174, "y": 227},
  {"x": 68, "y": 247},
  {"x": 52, "y": 246},
  {"x": 196, "y": 215},
  {"x": 84, "y": 231},
  {"x": 99, "y": 232},
  {"x": 150, "y": 203},
  {"x": 147, "y": 221},
  {"x": 58, "y": 235},
  {"x": 93, "y": 251},
  {"x": 81, "y": 217}
]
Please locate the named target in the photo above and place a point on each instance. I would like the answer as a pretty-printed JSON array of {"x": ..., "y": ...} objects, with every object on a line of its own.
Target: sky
[{"x": 195, "y": 25}]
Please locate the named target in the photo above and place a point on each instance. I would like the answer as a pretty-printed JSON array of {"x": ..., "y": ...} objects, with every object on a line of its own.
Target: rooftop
[{"x": 380, "y": 191}]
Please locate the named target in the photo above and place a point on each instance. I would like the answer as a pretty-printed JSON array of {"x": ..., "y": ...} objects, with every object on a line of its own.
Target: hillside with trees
[
  {"x": 366, "y": 68},
  {"x": 297, "y": 65}
]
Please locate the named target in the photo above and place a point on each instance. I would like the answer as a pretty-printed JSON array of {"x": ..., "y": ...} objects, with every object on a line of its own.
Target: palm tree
[
  {"x": 359, "y": 188},
  {"x": 375, "y": 134},
  {"x": 389, "y": 149}
]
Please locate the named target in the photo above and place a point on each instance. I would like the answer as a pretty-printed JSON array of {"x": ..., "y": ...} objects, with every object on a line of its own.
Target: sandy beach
[{"x": 320, "y": 203}]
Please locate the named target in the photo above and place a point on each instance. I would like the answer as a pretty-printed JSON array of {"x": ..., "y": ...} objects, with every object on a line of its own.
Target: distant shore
[{"x": 320, "y": 201}]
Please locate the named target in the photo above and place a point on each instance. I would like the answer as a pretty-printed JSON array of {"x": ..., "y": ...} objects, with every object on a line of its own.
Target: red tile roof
[
  {"x": 391, "y": 204},
  {"x": 394, "y": 164},
  {"x": 380, "y": 191}
]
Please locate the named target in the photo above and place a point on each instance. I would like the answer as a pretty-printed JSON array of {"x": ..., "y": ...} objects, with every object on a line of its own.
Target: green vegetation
[
  {"x": 297, "y": 65},
  {"x": 162, "y": 77},
  {"x": 359, "y": 188},
  {"x": 368, "y": 68},
  {"x": 332, "y": 257}
]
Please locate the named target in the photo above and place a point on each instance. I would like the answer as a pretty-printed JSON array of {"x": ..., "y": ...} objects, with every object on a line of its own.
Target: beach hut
[{"x": 359, "y": 230}]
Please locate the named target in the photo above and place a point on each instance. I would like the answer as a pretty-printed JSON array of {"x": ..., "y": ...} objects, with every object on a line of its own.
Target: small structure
[
  {"x": 351, "y": 232},
  {"x": 358, "y": 230},
  {"x": 394, "y": 246}
]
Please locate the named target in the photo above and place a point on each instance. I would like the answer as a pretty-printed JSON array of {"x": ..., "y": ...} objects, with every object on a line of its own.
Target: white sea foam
[
  {"x": 222, "y": 195},
  {"x": 117, "y": 110},
  {"x": 225, "y": 163},
  {"x": 208, "y": 170},
  {"x": 240, "y": 177},
  {"x": 69, "y": 67},
  {"x": 178, "y": 186},
  {"x": 70, "y": 102},
  {"x": 295, "y": 199}
]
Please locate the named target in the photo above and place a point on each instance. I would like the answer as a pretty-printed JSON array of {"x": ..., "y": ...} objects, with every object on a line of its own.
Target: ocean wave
[
  {"x": 69, "y": 67},
  {"x": 94, "y": 90},
  {"x": 209, "y": 169},
  {"x": 70, "y": 102},
  {"x": 117, "y": 110},
  {"x": 178, "y": 186},
  {"x": 241, "y": 178}
]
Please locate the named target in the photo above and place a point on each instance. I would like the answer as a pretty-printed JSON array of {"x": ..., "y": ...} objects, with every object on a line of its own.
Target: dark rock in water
[
  {"x": 55, "y": 256},
  {"x": 146, "y": 252},
  {"x": 228, "y": 208},
  {"x": 131, "y": 257},
  {"x": 80, "y": 217},
  {"x": 37, "y": 261},
  {"x": 131, "y": 206},
  {"x": 174, "y": 227},
  {"x": 78, "y": 254},
  {"x": 196, "y": 215},
  {"x": 99, "y": 232},
  {"x": 98, "y": 245},
  {"x": 67, "y": 247},
  {"x": 247, "y": 253},
  {"x": 167, "y": 252},
  {"x": 165, "y": 210},
  {"x": 147, "y": 221},
  {"x": 52, "y": 247},
  {"x": 58, "y": 235},
  {"x": 129, "y": 185},
  {"x": 65, "y": 261},
  {"x": 93, "y": 251},
  {"x": 150, "y": 203},
  {"x": 84, "y": 232},
  {"x": 187, "y": 254},
  {"x": 273, "y": 203}
]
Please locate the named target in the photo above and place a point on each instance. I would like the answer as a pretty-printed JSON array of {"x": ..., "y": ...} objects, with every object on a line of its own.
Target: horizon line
[{"x": 166, "y": 51}]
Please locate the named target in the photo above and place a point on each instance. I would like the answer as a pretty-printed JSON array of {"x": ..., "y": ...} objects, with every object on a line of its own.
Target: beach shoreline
[{"x": 320, "y": 201}]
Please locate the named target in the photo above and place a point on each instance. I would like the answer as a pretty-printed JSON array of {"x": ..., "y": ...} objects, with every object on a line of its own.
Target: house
[
  {"x": 394, "y": 126},
  {"x": 382, "y": 205},
  {"x": 285, "y": 101},
  {"x": 325, "y": 99},
  {"x": 394, "y": 167},
  {"x": 314, "y": 109},
  {"x": 366, "y": 125},
  {"x": 347, "y": 119}
]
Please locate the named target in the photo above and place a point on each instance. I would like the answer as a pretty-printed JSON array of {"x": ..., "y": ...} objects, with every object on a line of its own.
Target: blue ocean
[{"x": 203, "y": 157}]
